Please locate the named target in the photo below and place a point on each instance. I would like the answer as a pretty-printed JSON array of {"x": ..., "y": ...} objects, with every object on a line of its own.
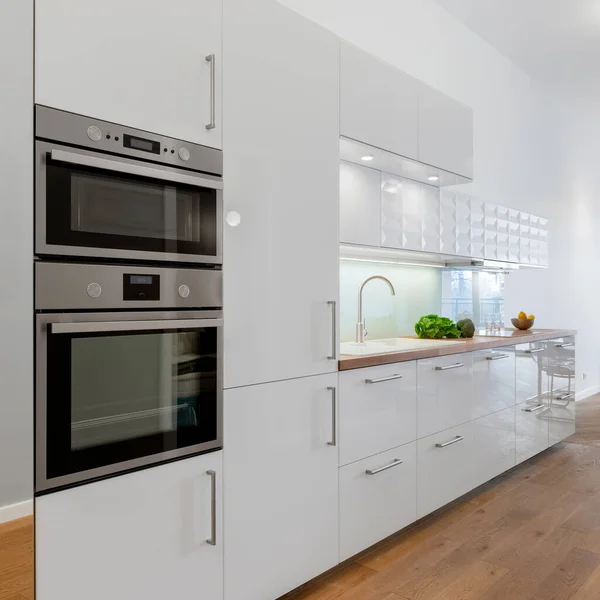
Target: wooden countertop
[{"x": 479, "y": 342}]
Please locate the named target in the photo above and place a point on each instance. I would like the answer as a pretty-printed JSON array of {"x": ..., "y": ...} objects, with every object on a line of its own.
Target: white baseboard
[
  {"x": 583, "y": 394},
  {"x": 16, "y": 511}
]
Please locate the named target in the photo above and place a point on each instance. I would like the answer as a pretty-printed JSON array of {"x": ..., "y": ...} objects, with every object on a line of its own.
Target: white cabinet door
[
  {"x": 360, "y": 205},
  {"x": 493, "y": 380},
  {"x": 378, "y": 496},
  {"x": 378, "y": 103},
  {"x": 378, "y": 409},
  {"x": 531, "y": 429},
  {"x": 444, "y": 392},
  {"x": 281, "y": 151},
  {"x": 445, "y": 133},
  {"x": 561, "y": 372},
  {"x": 141, "y": 535},
  {"x": 444, "y": 467},
  {"x": 140, "y": 63},
  {"x": 532, "y": 373},
  {"x": 281, "y": 489}
]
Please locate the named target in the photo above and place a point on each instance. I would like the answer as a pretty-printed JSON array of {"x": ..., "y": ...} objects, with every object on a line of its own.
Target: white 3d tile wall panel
[
  {"x": 477, "y": 228},
  {"x": 448, "y": 216}
]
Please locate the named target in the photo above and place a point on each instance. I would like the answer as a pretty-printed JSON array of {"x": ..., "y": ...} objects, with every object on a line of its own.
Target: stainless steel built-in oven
[
  {"x": 129, "y": 368},
  {"x": 112, "y": 192}
]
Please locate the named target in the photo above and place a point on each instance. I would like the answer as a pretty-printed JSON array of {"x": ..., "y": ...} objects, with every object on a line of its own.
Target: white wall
[
  {"x": 527, "y": 152},
  {"x": 16, "y": 253}
]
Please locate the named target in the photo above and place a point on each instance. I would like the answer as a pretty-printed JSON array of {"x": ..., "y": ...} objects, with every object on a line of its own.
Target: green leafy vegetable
[
  {"x": 466, "y": 328},
  {"x": 432, "y": 326}
]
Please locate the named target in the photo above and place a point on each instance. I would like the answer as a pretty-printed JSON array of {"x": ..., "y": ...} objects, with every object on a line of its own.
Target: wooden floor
[{"x": 531, "y": 534}]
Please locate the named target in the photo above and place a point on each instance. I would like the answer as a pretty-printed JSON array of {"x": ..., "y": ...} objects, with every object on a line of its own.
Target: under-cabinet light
[
  {"x": 433, "y": 178},
  {"x": 393, "y": 262},
  {"x": 367, "y": 157}
]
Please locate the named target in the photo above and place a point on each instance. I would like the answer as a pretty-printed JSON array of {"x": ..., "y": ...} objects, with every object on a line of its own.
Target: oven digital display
[
  {"x": 140, "y": 279},
  {"x": 136, "y": 143},
  {"x": 141, "y": 287}
]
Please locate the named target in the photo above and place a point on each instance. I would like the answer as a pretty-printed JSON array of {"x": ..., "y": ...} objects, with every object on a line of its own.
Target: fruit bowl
[{"x": 523, "y": 324}]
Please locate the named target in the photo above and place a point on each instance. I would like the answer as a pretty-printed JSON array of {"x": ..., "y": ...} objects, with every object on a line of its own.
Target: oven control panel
[{"x": 141, "y": 287}]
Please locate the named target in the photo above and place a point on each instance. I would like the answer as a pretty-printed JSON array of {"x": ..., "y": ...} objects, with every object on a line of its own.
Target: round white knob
[
  {"x": 94, "y": 290},
  {"x": 233, "y": 218},
  {"x": 184, "y": 291},
  {"x": 184, "y": 153},
  {"x": 94, "y": 133}
]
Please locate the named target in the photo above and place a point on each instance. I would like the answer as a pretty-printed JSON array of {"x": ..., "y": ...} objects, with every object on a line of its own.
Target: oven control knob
[
  {"x": 94, "y": 290},
  {"x": 184, "y": 291},
  {"x": 94, "y": 133},
  {"x": 184, "y": 154}
]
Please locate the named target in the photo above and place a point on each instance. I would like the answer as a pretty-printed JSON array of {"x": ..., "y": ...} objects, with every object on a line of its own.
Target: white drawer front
[
  {"x": 378, "y": 409},
  {"x": 375, "y": 506},
  {"x": 444, "y": 467},
  {"x": 445, "y": 393},
  {"x": 532, "y": 429},
  {"x": 493, "y": 445},
  {"x": 493, "y": 380}
]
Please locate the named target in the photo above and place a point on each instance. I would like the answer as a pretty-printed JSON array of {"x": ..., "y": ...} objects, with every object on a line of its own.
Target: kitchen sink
[{"x": 391, "y": 345}]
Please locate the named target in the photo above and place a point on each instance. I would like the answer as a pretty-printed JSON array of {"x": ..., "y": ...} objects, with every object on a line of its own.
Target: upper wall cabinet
[
  {"x": 445, "y": 133},
  {"x": 378, "y": 103},
  {"x": 141, "y": 63}
]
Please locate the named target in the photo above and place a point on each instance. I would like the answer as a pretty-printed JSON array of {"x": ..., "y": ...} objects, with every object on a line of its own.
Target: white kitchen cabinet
[
  {"x": 378, "y": 496},
  {"x": 378, "y": 103},
  {"x": 444, "y": 467},
  {"x": 445, "y": 132},
  {"x": 360, "y": 205},
  {"x": 561, "y": 373},
  {"x": 531, "y": 429},
  {"x": 444, "y": 392},
  {"x": 281, "y": 151},
  {"x": 140, "y": 535},
  {"x": 378, "y": 409},
  {"x": 532, "y": 373},
  {"x": 140, "y": 63},
  {"x": 493, "y": 380},
  {"x": 281, "y": 488}
]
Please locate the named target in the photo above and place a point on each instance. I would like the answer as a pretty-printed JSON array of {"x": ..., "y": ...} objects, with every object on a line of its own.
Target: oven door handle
[
  {"x": 109, "y": 164},
  {"x": 117, "y": 326}
]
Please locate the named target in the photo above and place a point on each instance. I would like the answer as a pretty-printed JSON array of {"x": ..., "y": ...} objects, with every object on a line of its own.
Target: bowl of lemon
[{"x": 523, "y": 321}]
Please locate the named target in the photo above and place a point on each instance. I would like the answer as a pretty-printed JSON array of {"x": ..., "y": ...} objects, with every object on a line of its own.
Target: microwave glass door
[
  {"x": 91, "y": 209},
  {"x": 118, "y": 396}
]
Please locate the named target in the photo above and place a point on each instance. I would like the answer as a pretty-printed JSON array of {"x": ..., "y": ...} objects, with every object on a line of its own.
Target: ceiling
[{"x": 556, "y": 41}]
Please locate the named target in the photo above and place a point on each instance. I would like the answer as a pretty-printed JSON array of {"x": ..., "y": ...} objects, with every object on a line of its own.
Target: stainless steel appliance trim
[
  {"x": 382, "y": 379},
  {"x": 42, "y": 149},
  {"x": 449, "y": 367},
  {"x": 497, "y": 357},
  {"x": 112, "y": 164},
  {"x": 108, "y": 326},
  {"x": 534, "y": 408},
  {"x": 333, "y": 305},
  {"x": 534, "y": 351},
  {"x": 211, "y": 58},
  {"x": 333, "y": 441},
  {"x": 212, "y": 540},
  {"x": 458, "y": 438},
  {"x": 394, "y": 463},
  {"x": 42, "y": 483}
]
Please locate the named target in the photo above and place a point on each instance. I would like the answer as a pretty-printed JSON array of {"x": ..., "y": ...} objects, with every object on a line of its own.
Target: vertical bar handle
[
  {"x": 213, "y": 508},
  {"x": 333, "y": 305},
  {"x": 333, "y": 441},
  {"x": 211, "y": 58}
]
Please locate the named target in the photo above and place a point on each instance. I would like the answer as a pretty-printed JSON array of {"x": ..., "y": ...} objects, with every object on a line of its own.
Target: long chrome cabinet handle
[
  {"x": 213, "y": 508},
  {"x": 535, "y": 351},
  {"x": 382, "y": 379},
  {"x": 458, "y": 438},
  {"x": 534, "y": 408},
  {"x": 333, "y": 305},
  {"x": 395, "y": 463},
  {"x": 133, "y": 325},
  {"x": 566, "y": 396},
  {"x": 333, "y": 441},
  {"x": 211, "y": 58},
  {"x": 456, "y": 366},
  {"x": 497, "y": 357},
  {"x": 567, "y": 345},
  {"x": 133, "y": 169}
]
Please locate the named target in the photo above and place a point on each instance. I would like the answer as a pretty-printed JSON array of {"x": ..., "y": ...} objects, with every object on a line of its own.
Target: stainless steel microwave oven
[{"x": 105, "y": 191}]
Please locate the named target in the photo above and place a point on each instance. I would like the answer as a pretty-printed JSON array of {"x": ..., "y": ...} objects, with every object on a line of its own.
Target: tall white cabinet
[{"x": 141, "y": 63}]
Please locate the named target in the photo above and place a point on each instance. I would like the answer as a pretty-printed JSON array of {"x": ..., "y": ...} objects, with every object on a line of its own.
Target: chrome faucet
[{"x": 360, "y": 326}]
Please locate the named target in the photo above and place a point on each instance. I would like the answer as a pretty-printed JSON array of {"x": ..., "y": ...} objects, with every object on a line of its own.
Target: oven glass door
[
  {"x": 91, "y": 205},
  {"x": 119, "y": 398}
]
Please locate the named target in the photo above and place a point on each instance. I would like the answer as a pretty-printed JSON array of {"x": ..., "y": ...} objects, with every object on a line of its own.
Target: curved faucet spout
[{"x": 360, "y": 326}]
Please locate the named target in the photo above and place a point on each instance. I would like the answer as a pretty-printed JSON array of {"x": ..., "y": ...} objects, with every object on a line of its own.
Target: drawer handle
[
  {"x": 534, "y": 408},
  {"x": 458, "y": 438},
  {"x": 567, "y": 345},
  {"x": 333, "y": 441},
  {"x": 456, "y": 366},
  {"x": 498, "y": 357},
  {"x": 395, "y": 463},
  {"x": 382, "y": 379},
  {"x": 535, "y": 351},
  {"x": 565, "y": 396}
]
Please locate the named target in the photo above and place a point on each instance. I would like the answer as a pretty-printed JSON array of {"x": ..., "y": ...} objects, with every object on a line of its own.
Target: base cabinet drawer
[
  {"x": 378, "y": 497},
  {"x": 493, "y": 380},
  {"x": 444, "y": 467},
  {"x": 532, "y": 429},
  {"x": 378, "y": 409}
]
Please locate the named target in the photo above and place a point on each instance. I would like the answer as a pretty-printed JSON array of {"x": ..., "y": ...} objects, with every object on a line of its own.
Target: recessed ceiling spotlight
[
  {"x": 366, "y": 158},
  {"x": 433, "y": 178}
]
